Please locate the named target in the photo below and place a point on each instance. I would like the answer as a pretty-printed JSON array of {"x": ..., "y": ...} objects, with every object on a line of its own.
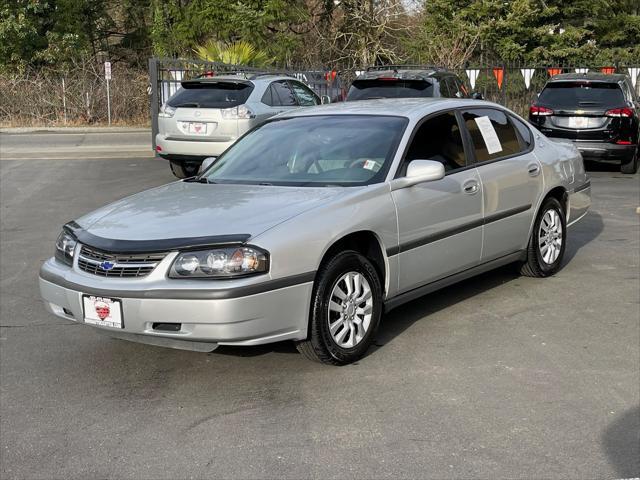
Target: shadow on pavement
[
  {"x": 621, "y": 442},
  {"x": 583, "y": 232},
  {"x": 593, "y": 166},
  {"x": 398, "y": 320}
]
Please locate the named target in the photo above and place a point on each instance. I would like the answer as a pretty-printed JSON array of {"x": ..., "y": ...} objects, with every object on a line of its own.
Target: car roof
[
  {"x": 248, "y": 78},
  {"x": 591, "y": 76},
  {"x": 411, "y": 108}
]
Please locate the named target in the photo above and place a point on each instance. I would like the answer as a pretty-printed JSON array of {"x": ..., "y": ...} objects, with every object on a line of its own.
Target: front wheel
[
  {"x": 184, "y": 169},
  {"x": 548, "y": 240},
  {"x": 346, "y": 307}
]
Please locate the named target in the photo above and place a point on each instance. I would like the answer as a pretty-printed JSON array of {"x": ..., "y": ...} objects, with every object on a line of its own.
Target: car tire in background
[
  {"x": 346, "y": 307},
  {"x": 631, "y": 166},
  {"x": 184, "y": 169},
  {"x": 548, "y": 240}
]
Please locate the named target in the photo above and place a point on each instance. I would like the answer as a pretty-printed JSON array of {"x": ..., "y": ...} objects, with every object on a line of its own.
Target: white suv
[{"x": 207, "y": 115}]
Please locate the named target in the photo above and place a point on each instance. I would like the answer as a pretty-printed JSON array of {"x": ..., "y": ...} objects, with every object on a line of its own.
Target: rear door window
[
  {"x": 391, "y": 88},
  {"x": 581, "y": 94},
  {"x": 211, "y": 95},
  {"x": 492, "y": 134},
  {"x": 284, "y": 94}
]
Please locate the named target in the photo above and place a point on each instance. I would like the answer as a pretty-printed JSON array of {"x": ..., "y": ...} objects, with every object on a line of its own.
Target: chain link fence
[{"x": 74, "y": 96}]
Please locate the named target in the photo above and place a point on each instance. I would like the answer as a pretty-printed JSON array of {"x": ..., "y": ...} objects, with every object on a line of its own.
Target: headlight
[
  {"x": 235, "y": 113},
  {"x": 220, "y": 263},
  {"x": 65, "y": 246},
  {"x": 166, "y": 111}
]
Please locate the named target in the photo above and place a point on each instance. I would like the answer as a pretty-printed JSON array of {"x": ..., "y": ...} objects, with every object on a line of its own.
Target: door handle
[
  {"x": 533, "y": 169},
  {"x": 471, "y": 187}
]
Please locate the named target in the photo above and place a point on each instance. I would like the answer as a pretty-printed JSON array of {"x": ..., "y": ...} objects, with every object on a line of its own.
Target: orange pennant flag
[{"x": 498, "y": 72}]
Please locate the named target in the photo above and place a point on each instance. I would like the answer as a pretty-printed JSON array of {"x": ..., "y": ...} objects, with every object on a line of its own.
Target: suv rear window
[
  {"x": 211, "y": 95},
  {"x": 367, "y": 89},
  {"x": 581, "y": 94}
]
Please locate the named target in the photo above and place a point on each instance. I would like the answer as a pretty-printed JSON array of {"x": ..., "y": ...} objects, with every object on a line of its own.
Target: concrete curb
[{"x": 18, "y": 130}]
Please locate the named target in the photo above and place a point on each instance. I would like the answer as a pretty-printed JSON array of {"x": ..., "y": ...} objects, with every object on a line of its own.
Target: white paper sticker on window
[{"x": 489, "y": 135}]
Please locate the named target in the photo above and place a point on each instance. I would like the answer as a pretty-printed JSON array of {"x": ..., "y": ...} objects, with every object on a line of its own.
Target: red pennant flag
[
  {"x": 330, "y": 76},
  {"x": 554, "y": 71},
  {"x": 498, "y": 72},
  {"x": 608, "y": 70}
]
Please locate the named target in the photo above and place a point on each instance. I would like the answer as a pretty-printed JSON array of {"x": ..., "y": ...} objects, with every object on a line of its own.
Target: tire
[
  {"x": 631, "y": 166},
  {"x": 184, "y": 169},
  {"x": 341, "y": 330},
  {"x": 541, "y": 261}
]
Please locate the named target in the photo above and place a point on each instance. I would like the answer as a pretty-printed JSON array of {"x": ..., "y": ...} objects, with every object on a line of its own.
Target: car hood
[{"x": 186, "y": 209}]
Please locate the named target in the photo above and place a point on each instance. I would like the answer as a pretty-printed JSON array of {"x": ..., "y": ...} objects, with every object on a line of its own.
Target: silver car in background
[
  {"x": 317, "y": 222},
  {"x": 205, "y": 116}
]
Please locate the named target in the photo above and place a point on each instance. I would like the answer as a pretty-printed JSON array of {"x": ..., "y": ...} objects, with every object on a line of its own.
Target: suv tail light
[
  {"x": 619, "y": 112},
  {"x": 536, "y": 110},
  {"x": 235, "y": 113}
]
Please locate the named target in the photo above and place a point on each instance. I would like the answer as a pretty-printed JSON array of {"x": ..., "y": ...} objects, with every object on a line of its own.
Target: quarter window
[
  {"x": 438, "y": 139},
  {"x": 524, "y": 131},
  {"x": 492, "y": 135},
  {"x": 305, "y": 96}
]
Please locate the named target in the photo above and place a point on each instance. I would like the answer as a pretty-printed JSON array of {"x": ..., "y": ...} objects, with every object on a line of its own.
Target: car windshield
[
  {"x": 211, "y": 95},
  {"x": 392, "y": 88},
  {"x": 581, "y": 94},
  {"x": 312, "y": 151}
]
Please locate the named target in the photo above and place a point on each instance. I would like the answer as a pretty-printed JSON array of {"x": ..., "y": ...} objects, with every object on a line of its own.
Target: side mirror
[
  {"x": 324, "y": 99},
  {"x": 419, "y": 171},
  {"x": 206, "y": 163},
  {"x": 477, "y": 96}
]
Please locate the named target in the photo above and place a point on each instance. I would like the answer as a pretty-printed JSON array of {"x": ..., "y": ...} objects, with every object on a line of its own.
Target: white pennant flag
[
  {"x": 473, "y": 76},
  {"x": 633, "y": 73},
  {"x": 581, "y": 70},
  {"x": 527, "y": 74}
]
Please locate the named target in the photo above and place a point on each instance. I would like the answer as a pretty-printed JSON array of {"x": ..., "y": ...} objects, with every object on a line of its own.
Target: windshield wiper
[
  {"x": 185, "y": 105},
  {"x": 198, "y": 180}
]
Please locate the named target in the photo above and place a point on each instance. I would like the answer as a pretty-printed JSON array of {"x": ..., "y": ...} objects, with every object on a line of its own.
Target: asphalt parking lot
[{"x": 498, "y": 377}]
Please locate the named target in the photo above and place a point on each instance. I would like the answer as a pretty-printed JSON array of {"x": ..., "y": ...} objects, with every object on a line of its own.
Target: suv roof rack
[{"x": 375, "y": 68}]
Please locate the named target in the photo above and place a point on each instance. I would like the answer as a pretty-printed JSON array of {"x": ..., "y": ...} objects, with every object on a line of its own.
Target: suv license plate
[
  {"x": 578, "y": 122},
  {"x": 197, "y": 128},
  {"x": 102, "y": 311}
]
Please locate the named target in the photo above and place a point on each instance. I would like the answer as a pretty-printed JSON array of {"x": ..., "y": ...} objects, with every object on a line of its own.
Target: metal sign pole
[
  {"x": 108, "y": 104},
  {"x": 107, "y": 76}
]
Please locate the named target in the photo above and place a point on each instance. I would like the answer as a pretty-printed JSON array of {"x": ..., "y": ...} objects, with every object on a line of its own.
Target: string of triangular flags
[{"x": 527, "y": 74}]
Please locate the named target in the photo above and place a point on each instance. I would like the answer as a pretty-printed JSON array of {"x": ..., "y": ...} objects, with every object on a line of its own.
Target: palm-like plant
[{"x": 235, "y": 53}]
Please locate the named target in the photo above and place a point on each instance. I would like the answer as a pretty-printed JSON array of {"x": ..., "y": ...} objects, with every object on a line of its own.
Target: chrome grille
[{"x": 124, "y": 265}]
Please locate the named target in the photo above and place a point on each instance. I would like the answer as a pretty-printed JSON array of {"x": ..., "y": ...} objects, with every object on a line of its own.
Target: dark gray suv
[{"x": 407, "y": 81}]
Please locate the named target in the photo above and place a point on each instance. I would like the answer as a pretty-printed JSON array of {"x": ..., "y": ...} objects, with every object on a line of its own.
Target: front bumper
[
  {"x": 606, "y": 152},
  {"x": 207, "y": 316}
]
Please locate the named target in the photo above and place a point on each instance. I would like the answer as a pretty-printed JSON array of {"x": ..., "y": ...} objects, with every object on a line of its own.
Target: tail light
[
  {"x": 166, "y": 111},
  {"x": 236, "y": 113},
  {"x": 619, "y": 112},
  {"x": 543, "y": 111}
]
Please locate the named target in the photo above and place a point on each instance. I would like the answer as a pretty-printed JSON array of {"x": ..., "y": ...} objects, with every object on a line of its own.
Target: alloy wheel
[{"x": 350, "y": 309}]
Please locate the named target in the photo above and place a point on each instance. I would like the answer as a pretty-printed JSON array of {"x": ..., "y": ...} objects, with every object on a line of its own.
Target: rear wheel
[
  {"x": 631, "y": 166},
  {"x": 345, "y": 310},
  {"x": 184, "y": 169},
  {"x": 548, "y": 240}
]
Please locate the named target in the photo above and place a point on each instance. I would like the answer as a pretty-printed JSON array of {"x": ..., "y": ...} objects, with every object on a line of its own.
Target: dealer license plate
[
  {"x": 102, "y": 311},
  {"x": 196, "y": 128},
  {"x": 578, "y": 122}
]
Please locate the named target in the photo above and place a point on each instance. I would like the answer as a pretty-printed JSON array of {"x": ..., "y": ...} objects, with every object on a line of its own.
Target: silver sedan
[{"x": 319, "y": 221}]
